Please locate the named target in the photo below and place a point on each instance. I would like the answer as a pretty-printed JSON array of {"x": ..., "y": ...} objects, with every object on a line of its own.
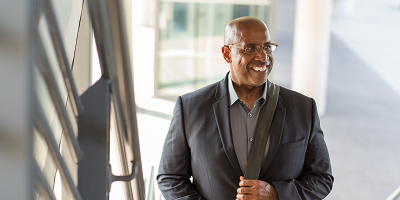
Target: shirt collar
[{"x": 232, "y": 93}]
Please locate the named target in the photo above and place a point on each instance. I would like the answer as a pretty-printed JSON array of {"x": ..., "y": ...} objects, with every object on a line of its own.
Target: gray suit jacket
[{"x": 199, "y": 144}]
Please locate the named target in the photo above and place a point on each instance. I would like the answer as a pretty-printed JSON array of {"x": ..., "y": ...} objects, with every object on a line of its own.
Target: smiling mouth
[{"x": 260, "y": 69}]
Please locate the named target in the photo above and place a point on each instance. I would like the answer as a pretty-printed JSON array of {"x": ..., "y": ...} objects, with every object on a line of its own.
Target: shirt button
[
  {"x": 251, "y": 139},
  {"x": 250, "y": 115}
]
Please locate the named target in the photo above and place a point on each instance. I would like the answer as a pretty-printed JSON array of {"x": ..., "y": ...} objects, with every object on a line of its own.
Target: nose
[{"x": 262, "y": 55}]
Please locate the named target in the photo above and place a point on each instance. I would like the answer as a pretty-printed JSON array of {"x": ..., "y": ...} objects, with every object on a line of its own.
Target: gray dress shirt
[{"x": 243, "y": 124}]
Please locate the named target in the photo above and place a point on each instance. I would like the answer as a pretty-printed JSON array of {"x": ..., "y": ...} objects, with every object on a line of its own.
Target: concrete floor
[
  {"x": 361, "y": 125},
  {"x": 361, "y": 128}
]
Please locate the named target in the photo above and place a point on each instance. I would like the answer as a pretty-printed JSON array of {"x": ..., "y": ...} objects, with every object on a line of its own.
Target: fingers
[
  {"x": 252, "y": 183},
  {"x": 244, "y": 197},
  {"x": 255, "y": 189},
  {"x": 249, "y": 197},
  {"x": 252, "y": 191},
  {"x": 246, "y": 183},
  {"x": 244, "y": 190},
  {"x": 241, "y": 197}
]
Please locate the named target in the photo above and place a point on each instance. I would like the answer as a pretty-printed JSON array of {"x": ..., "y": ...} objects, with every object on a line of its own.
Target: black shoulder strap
[{"x": 261, "y": 133}]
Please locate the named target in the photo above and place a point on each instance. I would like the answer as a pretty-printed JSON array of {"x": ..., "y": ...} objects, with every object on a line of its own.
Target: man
[{"x": 212, "y": 129}]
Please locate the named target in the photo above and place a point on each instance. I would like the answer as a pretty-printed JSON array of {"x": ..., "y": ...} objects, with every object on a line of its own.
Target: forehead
[{"x": 252, "y": 35}]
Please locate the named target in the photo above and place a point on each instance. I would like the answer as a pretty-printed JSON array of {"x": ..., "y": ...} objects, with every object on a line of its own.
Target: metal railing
[
  {"x": 90, "y": 151},
  {"x": 44, "y": 129},
  {"x": 109, "y": 27}
]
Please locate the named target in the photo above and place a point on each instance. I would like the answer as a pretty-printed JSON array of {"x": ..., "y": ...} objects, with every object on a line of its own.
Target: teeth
[{"x": 260, "y": 69}]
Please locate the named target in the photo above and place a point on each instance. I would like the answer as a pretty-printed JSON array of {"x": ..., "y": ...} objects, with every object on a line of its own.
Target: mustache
[{"x": 260, "y": 63}]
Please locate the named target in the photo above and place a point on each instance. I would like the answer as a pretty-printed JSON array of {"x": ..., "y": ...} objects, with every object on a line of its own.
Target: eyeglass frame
[{"x": 258, "y": 46}]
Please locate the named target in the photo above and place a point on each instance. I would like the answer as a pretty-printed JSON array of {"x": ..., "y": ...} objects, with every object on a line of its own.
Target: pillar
[
  {"x": 16, "y": 100},
  {"x": 311, "y": 49}
]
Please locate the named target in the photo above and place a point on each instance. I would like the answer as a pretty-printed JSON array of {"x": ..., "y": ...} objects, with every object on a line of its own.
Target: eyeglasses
[{"x": 254, "y": 49}]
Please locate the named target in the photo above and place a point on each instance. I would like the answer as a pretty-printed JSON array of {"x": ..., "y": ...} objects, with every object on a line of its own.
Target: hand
[{"x": 255, "y": 189}]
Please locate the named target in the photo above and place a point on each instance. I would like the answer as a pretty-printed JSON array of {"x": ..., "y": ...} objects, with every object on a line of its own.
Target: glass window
[{"x": 190, "y": 41}]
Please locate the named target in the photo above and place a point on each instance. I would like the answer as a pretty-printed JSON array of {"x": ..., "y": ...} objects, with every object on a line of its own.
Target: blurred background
[{"x": 343, "y": 53}]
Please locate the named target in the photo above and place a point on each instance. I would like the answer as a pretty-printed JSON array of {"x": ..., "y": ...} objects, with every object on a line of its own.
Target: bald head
[{"x": 234, "y": 31}]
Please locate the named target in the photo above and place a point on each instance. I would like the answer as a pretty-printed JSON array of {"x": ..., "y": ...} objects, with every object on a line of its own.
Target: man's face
[{"x": 250, "y": 70}]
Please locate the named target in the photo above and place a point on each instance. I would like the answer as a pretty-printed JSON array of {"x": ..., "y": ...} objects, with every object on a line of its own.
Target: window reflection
[{"x": 190, "y": 40}]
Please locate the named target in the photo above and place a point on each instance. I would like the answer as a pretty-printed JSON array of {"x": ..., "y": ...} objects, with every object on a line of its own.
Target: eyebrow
[{"x": 258, "y": 45}]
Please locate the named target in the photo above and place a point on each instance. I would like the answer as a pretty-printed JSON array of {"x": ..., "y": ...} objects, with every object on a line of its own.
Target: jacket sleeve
[
  {"x": 175, "y": 165},
  {"x": 316, "y": 180}
]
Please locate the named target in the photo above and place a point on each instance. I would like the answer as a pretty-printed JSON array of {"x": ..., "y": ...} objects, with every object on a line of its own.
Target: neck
[{"x": 249, "y": 94}]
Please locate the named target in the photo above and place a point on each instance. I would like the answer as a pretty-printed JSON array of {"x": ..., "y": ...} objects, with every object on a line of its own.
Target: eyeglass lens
[{"x": 252, "y": 49}]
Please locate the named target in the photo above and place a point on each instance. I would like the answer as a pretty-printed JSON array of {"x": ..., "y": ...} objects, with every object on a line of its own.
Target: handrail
[
  {"x": 151, "y": 188},
  {"x": 109, "y": 28},
  {"x": 394, "y": 195},
  {"x": 123, "y": 75},
  {"x": 45, "y": 131},
  {"x": 51, "y": 83},
  {"x": 41, "y": 184},
  {"x": 58, "y": 44}
]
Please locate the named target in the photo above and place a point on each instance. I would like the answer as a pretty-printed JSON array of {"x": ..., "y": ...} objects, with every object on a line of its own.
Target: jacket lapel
[
  {"x": 222, "y": 117},
  {"x": 275, "y": 136}
]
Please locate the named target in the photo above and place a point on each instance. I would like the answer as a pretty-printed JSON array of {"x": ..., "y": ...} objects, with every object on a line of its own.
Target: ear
[{"x": 226, "y": 53}]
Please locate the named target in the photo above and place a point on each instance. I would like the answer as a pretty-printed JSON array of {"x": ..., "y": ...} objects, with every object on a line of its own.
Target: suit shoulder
[
  {"x": 287, "y": 92},
  {"x": 294, "y": 98}
]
